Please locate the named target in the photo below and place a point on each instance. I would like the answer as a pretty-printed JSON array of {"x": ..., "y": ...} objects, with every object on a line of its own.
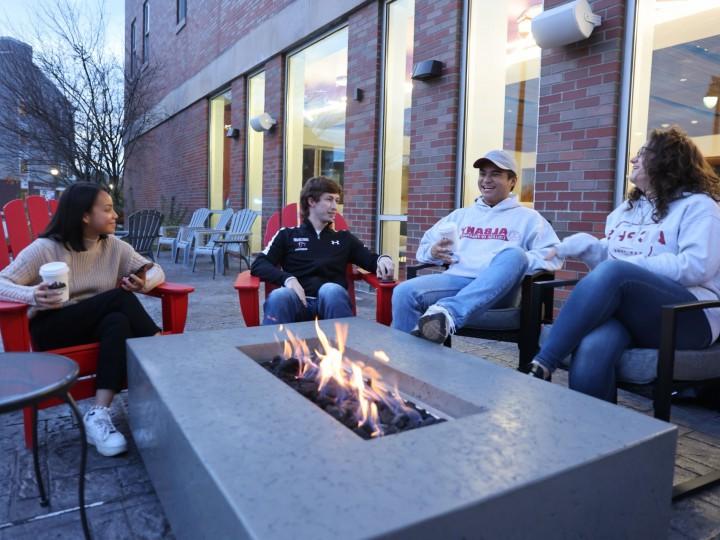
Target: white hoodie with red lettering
[
  {"x": 485, "y": 231},
  {"x": 683, "y": 246}
]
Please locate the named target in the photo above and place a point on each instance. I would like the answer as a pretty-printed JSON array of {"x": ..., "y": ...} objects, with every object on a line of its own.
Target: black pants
[{"x": 111, "y": 318}]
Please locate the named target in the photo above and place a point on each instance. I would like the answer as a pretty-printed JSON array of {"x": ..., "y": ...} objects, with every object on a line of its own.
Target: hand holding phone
[{"x": 140, "y": 272}]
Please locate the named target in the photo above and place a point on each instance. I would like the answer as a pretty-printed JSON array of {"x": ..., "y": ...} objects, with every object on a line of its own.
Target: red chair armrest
[
  {"x": 384, "y": 291},
  {"x": 14, "y": 327},
  {"x": 174, "y": 297},
  {"x": 248, "y": 288}
]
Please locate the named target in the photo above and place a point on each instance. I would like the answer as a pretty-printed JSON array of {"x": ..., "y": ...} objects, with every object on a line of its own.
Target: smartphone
[{"x": 140, "y": 272}]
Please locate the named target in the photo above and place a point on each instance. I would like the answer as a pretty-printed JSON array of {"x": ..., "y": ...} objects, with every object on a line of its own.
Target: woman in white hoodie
[
  {"x": 660, "y": 248},
  {"x": 491, "y": 245}
]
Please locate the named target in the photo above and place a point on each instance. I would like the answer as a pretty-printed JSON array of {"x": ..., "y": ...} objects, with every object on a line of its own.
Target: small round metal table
[{"x": 26, "y": 379}]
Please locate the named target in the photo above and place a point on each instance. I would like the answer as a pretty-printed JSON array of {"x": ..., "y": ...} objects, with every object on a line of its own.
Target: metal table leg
[
  {"x": 83, "y": 460},
  {"x": 36, "y": 459}
]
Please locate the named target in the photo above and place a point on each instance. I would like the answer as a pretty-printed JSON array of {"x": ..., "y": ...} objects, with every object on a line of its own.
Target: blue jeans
[
  {"x": 463, "y": 297},
  {"x": 284, "y": 306},
  {"x": 616, "y": 307}
]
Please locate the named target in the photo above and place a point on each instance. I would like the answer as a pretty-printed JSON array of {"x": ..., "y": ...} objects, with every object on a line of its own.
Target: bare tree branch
[{"x": 71, "y": 106}]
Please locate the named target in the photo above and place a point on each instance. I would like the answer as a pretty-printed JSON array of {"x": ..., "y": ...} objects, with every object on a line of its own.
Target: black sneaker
[{"x": 537, "y": 371}]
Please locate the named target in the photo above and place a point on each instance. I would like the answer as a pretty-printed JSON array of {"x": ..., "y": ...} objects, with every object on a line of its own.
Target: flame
[{"x": 353, "y": 386}]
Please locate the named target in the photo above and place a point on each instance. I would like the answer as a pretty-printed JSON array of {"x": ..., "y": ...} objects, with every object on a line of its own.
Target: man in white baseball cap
[{"x": 488, "y": 246}]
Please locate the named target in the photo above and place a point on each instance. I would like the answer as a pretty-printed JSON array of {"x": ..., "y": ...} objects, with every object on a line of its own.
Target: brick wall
[
  {"x": 364, "y": 43},
  {"x": 211, "y": 27},
  {"x": 273, "y": 140},
  {"x": 237, "y": 146},
  {"x": 171, "y": 159},
  {"x": 577, "y": 135},
  {"x": 434, "y": 118}
]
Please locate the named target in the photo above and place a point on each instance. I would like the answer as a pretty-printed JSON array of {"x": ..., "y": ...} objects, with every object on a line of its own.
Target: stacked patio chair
[
  {"x": 143, "y": 229},
  {"x": 205, "y": 238},
  {"x": 184, "y": 234},
  {"x": 220, "y": 243}
]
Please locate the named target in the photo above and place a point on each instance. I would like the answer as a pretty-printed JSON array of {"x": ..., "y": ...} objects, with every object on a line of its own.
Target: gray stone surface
[
  {"x": 234, "y": 451},
  {"x": 214, "y": 305}
]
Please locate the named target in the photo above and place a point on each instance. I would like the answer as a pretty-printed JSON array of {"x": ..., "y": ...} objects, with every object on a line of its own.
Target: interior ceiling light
[{"x": 710, "y": 101}]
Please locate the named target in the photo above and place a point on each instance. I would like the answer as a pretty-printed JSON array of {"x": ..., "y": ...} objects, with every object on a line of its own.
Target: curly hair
[{"x": 674, "y": 165}]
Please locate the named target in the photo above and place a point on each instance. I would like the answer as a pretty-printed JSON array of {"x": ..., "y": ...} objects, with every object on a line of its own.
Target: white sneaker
[
  {"x": 436, "y": 324},
  {"x": 101, "y": 433}
]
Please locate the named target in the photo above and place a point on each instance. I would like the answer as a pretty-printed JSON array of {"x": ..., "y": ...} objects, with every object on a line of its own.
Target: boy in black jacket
[{"x": 310, "y": 261}]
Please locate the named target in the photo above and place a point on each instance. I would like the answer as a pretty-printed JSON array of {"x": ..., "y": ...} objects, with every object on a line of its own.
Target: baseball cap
[{"x": 499, "y": 158}]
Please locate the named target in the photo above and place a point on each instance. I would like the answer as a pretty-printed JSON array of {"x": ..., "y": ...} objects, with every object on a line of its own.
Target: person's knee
[
  {"x": 116, "y": 323},
  {"x": 403, "y": 293},
  {"x": 332, "y": 290},
  {"x": 610, "y": 271},
  {"x": 516, "y": 256},
  {"x": 280, "y": 296}
]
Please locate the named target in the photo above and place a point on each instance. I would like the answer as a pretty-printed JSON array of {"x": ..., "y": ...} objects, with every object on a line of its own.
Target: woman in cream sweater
[{"x": 102, "y": 306}]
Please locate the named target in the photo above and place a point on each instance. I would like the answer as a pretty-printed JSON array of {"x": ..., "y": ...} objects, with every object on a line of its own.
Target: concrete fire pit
[{"x": 233, "y": 452}]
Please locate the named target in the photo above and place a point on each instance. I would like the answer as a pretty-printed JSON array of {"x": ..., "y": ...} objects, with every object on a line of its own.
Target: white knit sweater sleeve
[{"x": 19, "y": 279}]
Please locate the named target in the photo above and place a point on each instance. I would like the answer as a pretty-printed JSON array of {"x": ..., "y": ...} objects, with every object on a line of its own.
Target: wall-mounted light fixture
[
  {"x": 54, "y": 171},
  {"x": 262, "y": 122},
  {"x": 428, "y": 69},
  {"x": 564, "y": 24},
  {"x": 231, "y": 132}
]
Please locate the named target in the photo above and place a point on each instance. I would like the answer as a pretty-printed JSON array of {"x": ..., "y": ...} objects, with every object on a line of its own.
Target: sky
[{"x": 16, "y": 15}]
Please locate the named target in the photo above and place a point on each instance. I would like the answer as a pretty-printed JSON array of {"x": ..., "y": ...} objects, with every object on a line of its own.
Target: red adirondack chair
[
  {"x": 39, "y": 214},
  {"x": 15, "y": 327},
  {"x": 248, "y": 286}
]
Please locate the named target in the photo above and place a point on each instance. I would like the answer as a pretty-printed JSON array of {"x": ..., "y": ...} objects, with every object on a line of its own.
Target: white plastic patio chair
[
  {"x": 220, "y": 244},
  {"x": 205, "y": 238},
  {"x": 197, "y": 220}
]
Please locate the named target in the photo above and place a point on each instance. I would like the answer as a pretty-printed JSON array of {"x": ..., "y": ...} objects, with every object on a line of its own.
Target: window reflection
[
  {"x": 400, "y": 23},
  {"x": 676, "y": 76},
  {"x": 255, "y": 139},
  {"x": 219, "y": 150},
  {"x": 503, "y": 82},
  {"x": 315, "y": 116}
]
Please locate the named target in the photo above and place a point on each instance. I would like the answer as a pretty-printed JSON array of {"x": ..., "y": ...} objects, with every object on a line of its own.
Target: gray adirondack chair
[
  {"x": 238, "y": 234},
  {"x": 143, "y": 229},
  {"x": 183, "y": 232},
  {"x": 205, "y": 238}
]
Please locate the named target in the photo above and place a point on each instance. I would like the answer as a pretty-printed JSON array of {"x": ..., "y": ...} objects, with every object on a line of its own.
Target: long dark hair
[
  {"x": 313, "y": 189},
  {"x": 674, "y": 165},
  {"x": 66, "y": 225}
]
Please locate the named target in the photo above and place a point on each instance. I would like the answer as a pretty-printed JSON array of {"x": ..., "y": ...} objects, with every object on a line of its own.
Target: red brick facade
[
  {"x": 577, "y": 135},
  {"x": 579, "y": 95}
]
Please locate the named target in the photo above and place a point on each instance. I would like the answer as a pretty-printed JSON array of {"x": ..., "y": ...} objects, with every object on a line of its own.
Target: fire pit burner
[{"x": 393, "y": 416}]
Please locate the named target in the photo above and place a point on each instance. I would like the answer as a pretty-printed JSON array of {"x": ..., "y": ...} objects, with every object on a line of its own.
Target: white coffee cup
[
  {"x": 449, "y": 231},
  {"x": 57, "y": 272}
]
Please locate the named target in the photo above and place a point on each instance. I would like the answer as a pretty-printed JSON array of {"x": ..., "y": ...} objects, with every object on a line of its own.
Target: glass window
[
  {"x": 503, "y": 83},
  {"x": 219, "y": 149},
  {"x": 256, "y": 106},
  {"x": 315, "y": 114},
  {"x": 133, "y": 48},
  {"x": 397, "y": 100},
  {"x": 181, "y": 10},
  {"x": 676, "y": 73},
  {"x": 146, "y": 32}
]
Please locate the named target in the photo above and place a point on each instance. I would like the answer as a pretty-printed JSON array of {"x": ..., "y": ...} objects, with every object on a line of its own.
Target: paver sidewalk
[{"x": 123, "y": 503}]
